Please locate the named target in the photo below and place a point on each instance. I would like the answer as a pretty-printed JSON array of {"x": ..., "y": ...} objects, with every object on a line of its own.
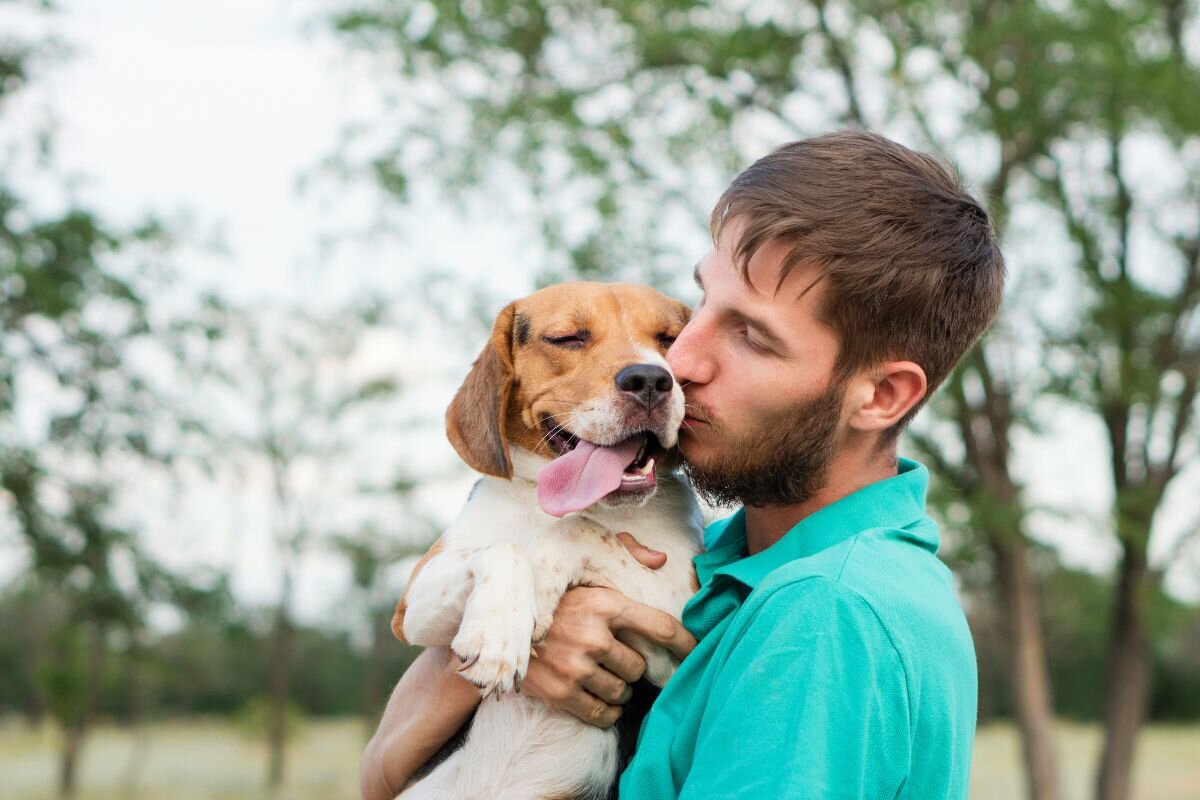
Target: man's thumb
[{"x": 653, "y": 559}]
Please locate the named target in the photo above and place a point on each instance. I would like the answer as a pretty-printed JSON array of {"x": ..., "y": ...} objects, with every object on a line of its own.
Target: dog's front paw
[
  {"x": 660, "y": 665},
  {"x": 495, "y": 660}
]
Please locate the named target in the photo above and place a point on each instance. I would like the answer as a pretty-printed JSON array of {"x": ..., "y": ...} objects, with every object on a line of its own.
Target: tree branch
[
  {"x": 841, "y": 62},
  {"x": 1087, "y": 240}
]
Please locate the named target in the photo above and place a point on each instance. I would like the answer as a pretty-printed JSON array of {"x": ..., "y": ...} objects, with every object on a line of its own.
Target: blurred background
[{"x": 248, "y": 249}]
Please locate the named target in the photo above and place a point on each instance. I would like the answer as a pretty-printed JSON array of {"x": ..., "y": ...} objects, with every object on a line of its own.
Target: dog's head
[{"x": 576, "y": 375}]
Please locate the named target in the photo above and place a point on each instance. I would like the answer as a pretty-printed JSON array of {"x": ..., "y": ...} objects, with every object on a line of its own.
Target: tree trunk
[
  {"x": 1127, "y": 688},
  {"x": 278, "y": 706},
  {"x": 68, "y": 764},
  {"x": 373, "y": 685},
  {"x": 135, "y": 716},
  {"x": 1030, "y": 676},
  {"x": 74, "y": 730}
]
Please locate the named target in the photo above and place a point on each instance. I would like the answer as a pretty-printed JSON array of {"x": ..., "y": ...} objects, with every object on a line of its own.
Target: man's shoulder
[
  {"x": 794, "y": 608},
  {"x": 876, "y": 580}
]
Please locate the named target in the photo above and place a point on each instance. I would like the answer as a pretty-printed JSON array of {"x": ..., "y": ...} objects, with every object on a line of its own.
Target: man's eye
[
  {"x": 745, "y": 334},
  {"x": 571, "y": 341}
]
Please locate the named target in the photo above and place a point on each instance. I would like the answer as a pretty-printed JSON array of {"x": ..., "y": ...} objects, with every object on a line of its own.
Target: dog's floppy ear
[{"x": 477, "y": 417}]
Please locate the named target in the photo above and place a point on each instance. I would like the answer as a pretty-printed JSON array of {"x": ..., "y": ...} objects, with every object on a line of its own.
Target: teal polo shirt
[{"x": 836, "y": 663}]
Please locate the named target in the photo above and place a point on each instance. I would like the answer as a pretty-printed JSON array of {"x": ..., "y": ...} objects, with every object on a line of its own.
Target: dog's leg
[
  {"x": 660, "y": 664},
  {"x": 436, "y": 599},
  {"x": 497, "y": 623}
]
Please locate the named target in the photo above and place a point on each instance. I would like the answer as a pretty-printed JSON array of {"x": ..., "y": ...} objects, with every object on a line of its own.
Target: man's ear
[
  {"x": 886, "y": 394},
  {"x": 476, "y": 421}
]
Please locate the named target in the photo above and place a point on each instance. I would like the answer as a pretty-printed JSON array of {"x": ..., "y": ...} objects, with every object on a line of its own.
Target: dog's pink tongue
[{"x": 577, "y": 479}]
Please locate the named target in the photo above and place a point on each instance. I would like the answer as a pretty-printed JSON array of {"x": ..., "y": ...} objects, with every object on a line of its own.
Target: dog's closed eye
[{"x": 570, "y": 341}]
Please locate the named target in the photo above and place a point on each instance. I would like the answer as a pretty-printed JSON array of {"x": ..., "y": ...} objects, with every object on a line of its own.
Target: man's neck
[{"x": 849, "y": 471}]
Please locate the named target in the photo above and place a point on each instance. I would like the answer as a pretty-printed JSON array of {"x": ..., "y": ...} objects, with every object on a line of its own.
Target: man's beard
[{"x": 782, "y": 461}]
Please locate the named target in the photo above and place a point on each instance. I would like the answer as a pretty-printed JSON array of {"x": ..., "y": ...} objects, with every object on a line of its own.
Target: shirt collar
[{"x": 895, "y": 502}]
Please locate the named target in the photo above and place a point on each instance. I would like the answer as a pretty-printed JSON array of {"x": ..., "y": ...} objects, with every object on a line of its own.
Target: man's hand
[{"x": 581, "y": 666}]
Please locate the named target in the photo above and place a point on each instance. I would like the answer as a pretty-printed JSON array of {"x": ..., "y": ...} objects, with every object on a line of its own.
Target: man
[{"x": 848, "y": 276}]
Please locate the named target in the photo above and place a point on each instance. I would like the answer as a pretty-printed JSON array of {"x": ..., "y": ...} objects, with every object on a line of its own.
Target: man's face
[{"x": 756, "y": 365}]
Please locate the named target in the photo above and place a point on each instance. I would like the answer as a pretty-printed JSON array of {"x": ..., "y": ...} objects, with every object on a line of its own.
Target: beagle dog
[{"x": 572, "y": 415}]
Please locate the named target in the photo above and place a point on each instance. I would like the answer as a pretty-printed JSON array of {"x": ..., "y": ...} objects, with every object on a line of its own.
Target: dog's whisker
[
  {"x": 554, "y": 416},
  {"x": 551, "y": 433},
  {"x": 548, "y": 436}
]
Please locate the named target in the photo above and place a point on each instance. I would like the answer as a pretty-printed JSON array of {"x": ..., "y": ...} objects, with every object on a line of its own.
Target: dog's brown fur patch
[{"x": 402, "y": 606}]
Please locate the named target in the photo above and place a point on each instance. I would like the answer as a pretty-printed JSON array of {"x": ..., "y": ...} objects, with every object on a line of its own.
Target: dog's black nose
[{"x": 648, "y": 383}]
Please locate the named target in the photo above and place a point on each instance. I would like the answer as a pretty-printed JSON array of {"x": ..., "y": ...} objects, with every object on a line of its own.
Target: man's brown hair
[{"x": 909, "y": 259}]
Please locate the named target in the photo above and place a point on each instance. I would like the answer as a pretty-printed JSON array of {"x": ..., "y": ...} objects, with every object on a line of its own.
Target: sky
[{"x": 214, "y": 114}]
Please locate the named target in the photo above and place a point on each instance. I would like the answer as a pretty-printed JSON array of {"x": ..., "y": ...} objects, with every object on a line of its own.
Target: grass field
[{"x": 194, "y": 759}]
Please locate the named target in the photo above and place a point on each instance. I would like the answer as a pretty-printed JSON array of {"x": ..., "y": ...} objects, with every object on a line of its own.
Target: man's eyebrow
[
  {"x": 696, "y": 275},
  {"x": 761, "y": 328}
]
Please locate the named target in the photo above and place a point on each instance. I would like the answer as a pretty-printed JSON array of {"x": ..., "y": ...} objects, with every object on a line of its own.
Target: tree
[
  {"x": 1135, "y": 343},
  {"x": 74, "y": 405},
  {"x": 300, "y": 406}
]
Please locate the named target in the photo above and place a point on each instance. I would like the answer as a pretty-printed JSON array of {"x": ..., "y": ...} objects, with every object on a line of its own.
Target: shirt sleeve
[{"x": 812, "y": 702}]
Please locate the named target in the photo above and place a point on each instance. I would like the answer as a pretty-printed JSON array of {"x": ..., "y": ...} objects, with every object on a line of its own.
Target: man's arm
[{"x": 427, "y": 707}]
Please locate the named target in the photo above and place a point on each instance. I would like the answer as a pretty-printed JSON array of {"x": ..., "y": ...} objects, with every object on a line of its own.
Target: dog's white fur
[{"x": 492, "y": 590}]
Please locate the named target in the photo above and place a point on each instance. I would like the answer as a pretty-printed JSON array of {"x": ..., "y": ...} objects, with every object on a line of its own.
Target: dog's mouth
[
  {"x": 585, "y": 472},
  {"x": 562, "y": 441}
]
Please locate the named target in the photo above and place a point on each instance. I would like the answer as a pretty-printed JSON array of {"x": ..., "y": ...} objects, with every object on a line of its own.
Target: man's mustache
[{"x": 694, "y": 410}]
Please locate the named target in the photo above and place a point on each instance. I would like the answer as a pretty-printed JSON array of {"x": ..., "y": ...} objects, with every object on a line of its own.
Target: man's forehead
[{"x": 761, "y": 277}]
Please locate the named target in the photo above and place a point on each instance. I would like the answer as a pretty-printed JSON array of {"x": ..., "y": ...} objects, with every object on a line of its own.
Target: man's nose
[
  {"x": 688, "y": 358},
  {"x": 649, "y": 383}
]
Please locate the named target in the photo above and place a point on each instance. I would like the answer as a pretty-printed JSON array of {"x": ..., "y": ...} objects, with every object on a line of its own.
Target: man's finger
[
  {"x": 623, "y": 661},
  {"x": 657, "y": 626},
  {"x": 654, "y": 559},
  {"x": 592, "y": 710},
  {"x": 608, "y": 687}
]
